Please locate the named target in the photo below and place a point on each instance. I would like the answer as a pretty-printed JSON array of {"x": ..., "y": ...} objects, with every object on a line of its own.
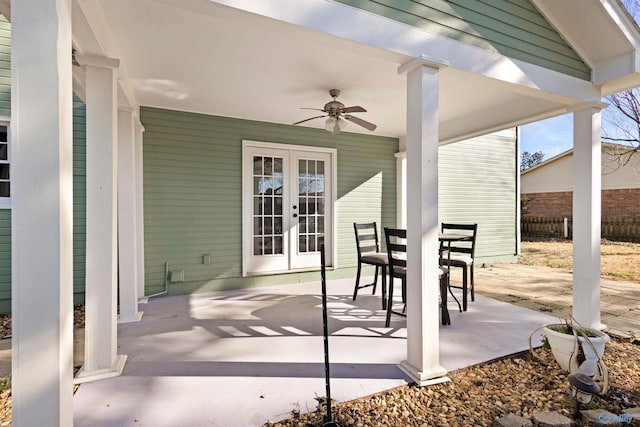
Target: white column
[
  {"x": 401, "y": 189},
  {"x": 587, "y": 156},
  {"x": 100, "y": 358},
  {"x": 139, "y": 130},
  {"x": 127, "y": 221},
  {"x": 423, "y": 347},
  {"x": 41, "y": 217}
]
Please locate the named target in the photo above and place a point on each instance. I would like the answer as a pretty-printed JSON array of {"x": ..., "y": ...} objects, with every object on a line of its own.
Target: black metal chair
[
  {"x": 462, "y": 255},
  {"x": 395, "y": 240},
  {"x": 369, "y": 253}
]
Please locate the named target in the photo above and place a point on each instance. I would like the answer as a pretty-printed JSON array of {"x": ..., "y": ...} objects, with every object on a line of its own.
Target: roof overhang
[
  {"x": 604, "y": 35},
  {"x": 264, "y": 59}
]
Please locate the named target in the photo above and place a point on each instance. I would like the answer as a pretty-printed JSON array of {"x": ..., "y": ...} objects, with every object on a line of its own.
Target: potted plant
[{"x": 561, "y": 339}]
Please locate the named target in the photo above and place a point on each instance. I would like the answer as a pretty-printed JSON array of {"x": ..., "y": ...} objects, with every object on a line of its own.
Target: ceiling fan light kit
[
  {"x": 331, "y": 123},
  {"x": 338, "y": 116}
]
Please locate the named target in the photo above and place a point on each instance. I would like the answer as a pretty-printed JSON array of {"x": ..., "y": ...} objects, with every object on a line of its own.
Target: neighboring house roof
[{"x": 556, "y": 173}]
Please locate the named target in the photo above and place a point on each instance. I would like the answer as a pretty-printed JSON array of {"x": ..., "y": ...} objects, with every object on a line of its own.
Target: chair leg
[
  {"x": 375, "y": 281},
  {"x": 355, "y": 291},
  {"x": 452, "y": 294},
  {"x": 464, "y": 288},
  {"x": 473, "y": 296},
  {"x": 404, "y": 295},
  {"x": 446, "y": 319},
  {"x": 389, "y": 303},
  {"x": 384, "y": 287}
]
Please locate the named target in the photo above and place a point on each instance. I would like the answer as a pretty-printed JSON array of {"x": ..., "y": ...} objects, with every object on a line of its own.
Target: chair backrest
[
  {"x": 465, "y": 247},
  {"x": 366, "y": 238},
  {"x": 395, "y": 238}
]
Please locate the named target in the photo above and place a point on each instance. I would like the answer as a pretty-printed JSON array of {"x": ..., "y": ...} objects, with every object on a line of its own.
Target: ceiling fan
[{"x": 337, "y": 115}]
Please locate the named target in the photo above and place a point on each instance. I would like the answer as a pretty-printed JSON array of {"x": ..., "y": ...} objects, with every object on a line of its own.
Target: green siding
[
  {"x": 5, "y": 214},
  {"x": 514, "y": 28},
  {"x": 79, "y": 198},
  {"x": 5, "y": 260},
  {"x": 192, "y": 194},
  {"x": 5, "y": 67},
  {"x": 477, "y": 183}
]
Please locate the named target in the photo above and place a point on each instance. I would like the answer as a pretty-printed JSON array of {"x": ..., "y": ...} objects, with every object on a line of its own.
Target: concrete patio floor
[
  {"x": 242, "y": 358},
  {"x": 550, "y": 290}
]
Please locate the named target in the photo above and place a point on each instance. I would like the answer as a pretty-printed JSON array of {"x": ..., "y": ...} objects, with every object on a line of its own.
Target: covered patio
[
  {"x": 262, "y": 61},
  {"x": 244, "y": 357}
]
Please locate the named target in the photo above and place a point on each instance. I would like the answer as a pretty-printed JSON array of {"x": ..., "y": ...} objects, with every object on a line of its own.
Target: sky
[{"x": 552, "y": 136}]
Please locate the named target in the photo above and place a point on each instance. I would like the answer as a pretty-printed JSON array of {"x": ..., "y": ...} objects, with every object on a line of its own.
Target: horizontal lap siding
[
  {"x": 5, "y": 260},
  {"x": 366, "y": 191},
  {"x": 514, "y": 28},
  {"x": 5, "y": 214},
  {"x": 5, "y": 67},
  {"x": 478, "y": 184},
  {"x": 193, "y": 184},
  {"x": 79, "y": 198}
]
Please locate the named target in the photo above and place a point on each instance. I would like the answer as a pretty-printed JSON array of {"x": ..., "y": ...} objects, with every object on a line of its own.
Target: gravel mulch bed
[{"x": 480, "y": 395}]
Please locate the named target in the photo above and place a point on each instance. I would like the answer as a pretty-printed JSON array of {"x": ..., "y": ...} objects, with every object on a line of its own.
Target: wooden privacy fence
[{"x": 558, "y": 228}]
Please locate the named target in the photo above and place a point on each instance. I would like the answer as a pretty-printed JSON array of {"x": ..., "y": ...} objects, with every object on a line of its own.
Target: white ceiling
[{"x": 201, "y": 56}]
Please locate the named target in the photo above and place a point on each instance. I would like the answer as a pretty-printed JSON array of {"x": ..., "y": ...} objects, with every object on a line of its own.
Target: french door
[{"x": 287, "y": 207}]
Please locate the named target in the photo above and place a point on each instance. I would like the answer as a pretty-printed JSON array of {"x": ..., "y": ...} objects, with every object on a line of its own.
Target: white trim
[
  {"x": 98, "y": 61},
  {"x": 401, "y": 189},
  {"x": 331, "y": 251},
  {"x": 92, "y": 34},
  {"x": 127, "y": 218},
  {"x": 139, "y": 183},
  {"x": 422, "y": 61}
]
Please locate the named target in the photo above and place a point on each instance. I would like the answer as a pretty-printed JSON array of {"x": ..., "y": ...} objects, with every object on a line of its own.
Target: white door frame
[{"x": 288, "y": 152}]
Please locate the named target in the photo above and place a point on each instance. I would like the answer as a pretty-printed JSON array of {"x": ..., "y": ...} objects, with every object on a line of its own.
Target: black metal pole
[{"x": 328, "y": 419}]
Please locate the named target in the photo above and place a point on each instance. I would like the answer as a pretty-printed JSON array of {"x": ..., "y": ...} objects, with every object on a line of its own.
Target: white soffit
[
  {"x": 600, "y": 31},
  {"x": 205, "y": 57}
]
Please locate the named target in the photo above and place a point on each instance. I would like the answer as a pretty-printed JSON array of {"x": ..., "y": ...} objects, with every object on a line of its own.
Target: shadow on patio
[{"x": 241, "y": 358}]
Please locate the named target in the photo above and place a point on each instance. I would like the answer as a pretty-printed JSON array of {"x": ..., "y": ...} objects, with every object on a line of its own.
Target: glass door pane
[
  {"x": 268, "y": 237},
  {"x": 311, "y": 201}
]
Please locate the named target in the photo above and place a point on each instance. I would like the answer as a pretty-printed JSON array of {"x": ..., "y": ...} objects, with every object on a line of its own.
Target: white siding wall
[{"x": 478, "y": 184}]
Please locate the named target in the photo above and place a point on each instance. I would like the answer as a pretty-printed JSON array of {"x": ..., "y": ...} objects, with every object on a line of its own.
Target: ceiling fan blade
[
  {"x": 306, "y": 120},
  {"x": 354, "y": 109},
  {"x": 365, "y": 124},
  {"x": 314, "y": 109}
]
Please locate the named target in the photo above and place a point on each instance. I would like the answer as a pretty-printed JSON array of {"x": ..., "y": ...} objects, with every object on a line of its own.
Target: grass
[{"x": 619, "y": 261}]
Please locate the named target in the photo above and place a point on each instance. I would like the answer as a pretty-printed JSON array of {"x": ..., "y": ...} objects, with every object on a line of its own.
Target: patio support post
[
  {"x": 586, "y": 214},
  {"x": 100, "y": 358},
  {"x": 401, "y": 189},
  {"x": 139, "y": 130},
  {"x": 42, "y": 213},
  {"x": 127, "y": 233},
  {"x": 423, "y": 346}
]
